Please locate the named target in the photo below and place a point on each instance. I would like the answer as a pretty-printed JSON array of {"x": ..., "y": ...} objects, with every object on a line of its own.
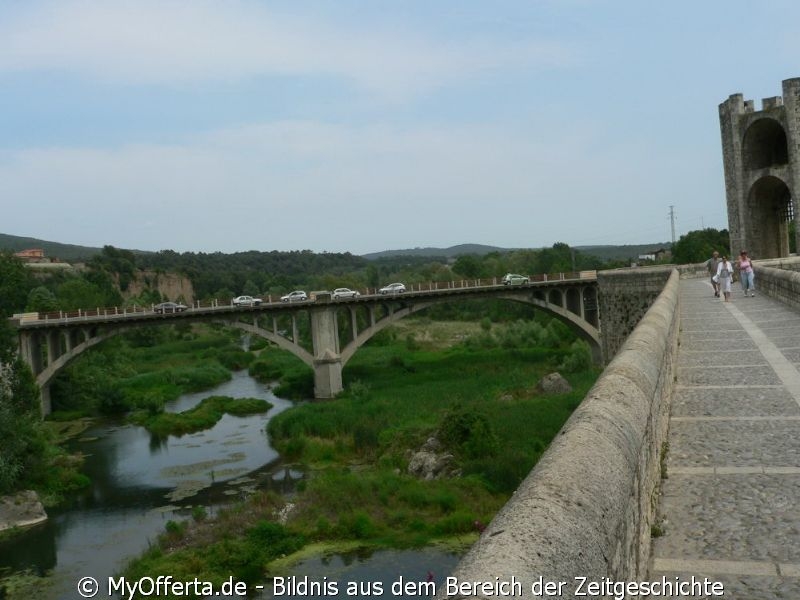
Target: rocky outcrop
[
  {"x": 170, "y": 285},
  {"x": 21, "y": 510},
  {"x": 429, "y": 462},
  {"x": 554, "y": 383}
]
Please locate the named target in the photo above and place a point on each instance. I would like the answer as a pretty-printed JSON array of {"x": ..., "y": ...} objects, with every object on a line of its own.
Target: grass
[{"x": 204, "y": 415}]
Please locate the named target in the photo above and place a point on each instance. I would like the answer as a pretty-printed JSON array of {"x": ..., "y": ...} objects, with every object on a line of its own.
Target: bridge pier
[
  {"x": 30, "y": 347},
  {"x": 45, "y": 404},
  {"x": 53, "y": 346},
  {"x": 327, "y": 359}
]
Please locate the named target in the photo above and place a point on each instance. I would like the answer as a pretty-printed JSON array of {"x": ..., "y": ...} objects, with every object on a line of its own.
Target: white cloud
[{"x": 177, "y": 42}]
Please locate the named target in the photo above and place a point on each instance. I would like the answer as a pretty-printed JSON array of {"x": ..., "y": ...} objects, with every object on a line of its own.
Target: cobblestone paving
[{"x": 731, "y": 502}]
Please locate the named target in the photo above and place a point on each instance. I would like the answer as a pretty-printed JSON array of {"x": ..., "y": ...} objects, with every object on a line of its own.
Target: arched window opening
[{"x": 765, "y": 145}]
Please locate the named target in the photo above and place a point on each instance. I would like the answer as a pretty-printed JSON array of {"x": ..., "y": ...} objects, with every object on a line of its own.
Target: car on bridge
[
  {"x": 340, "y": 293},
  {"x": 169, "y": 307},
  {"x": 392, "y": 288},
  {"x": 246, "y": 301},
  {"x": 514, "y": 279},
  {"x": 295, "y": 296}
]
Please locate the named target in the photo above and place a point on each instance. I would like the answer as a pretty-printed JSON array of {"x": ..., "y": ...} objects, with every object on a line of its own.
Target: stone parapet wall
[
  {"x": 586, "y": 508},
  {"x": 779, "y": 279},
  {"x": 625, "y": 296}
]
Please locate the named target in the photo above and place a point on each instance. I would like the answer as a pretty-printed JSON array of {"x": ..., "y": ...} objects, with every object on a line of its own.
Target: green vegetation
[
  {"x": 145, "y": 369},
  {"x": 697, "y": 246},
  {"x": 28, "y": 454},
  {"x": 204, "y": 415}
]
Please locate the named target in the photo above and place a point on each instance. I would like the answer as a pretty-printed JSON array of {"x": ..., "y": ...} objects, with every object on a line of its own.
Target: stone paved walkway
[{"x": 731, "y": 502}]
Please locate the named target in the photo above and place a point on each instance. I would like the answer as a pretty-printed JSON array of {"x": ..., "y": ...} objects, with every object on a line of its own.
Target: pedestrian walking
[
  {"x": 711, "y": 265},
  {"x": 746, "y": 274},
  {"x": 724, "y": 276}
]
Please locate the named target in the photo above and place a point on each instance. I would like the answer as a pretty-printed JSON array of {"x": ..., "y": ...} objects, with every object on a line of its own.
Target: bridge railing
[{"x": 430, "y": 286}]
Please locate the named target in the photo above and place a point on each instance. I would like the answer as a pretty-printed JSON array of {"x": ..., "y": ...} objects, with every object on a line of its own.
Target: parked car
[
  {"x": 295, "y": 296},
  {"x": 392, "y": 288},
  {"x": 340, "y": 293},
  {"x": 514, "y": 279},
  {"x": 169, "y": 307},
  {"x": 246, "y": 301}
]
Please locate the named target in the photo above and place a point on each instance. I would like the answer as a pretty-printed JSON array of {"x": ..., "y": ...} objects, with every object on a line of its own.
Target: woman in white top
[{"x": 724, "y": 275}]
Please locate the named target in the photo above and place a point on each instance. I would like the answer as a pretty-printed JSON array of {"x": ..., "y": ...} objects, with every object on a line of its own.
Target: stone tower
[{"x": 761, "y": 155}]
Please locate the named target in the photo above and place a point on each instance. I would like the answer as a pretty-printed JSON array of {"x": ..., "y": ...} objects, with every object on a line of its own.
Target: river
[{"x": 140, "y": 482}]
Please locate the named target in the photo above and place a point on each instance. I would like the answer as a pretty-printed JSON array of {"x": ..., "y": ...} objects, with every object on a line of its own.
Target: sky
[{"x": 364, "y": 126}]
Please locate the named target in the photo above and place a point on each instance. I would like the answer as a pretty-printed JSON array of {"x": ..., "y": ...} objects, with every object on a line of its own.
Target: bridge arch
[{"x": 575, "y": 306}]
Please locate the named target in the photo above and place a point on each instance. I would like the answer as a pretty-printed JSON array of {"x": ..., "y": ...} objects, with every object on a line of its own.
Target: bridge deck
[{"x": 732, "y": 498}]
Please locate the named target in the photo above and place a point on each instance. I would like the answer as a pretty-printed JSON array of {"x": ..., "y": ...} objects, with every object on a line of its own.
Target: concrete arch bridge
[{"x": 324, "y": 334}]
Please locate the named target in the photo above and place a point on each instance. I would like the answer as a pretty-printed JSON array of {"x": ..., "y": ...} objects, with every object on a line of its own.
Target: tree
[
  {"x": 15, "y": 281},
  {"x": 468, "y": 265},
  {"x": 697, "y": 246},
  {"x": 78, "y": 293},
  {"x": 40, "y": 299}
]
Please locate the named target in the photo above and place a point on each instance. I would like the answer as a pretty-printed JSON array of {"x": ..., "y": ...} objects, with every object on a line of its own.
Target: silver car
[
  {"x": 392, "y": 288},
  {"x": 514, "y": 279},
  {"x": 295, "y": 296},
  {"x": 246, "y": 301},
  {"x": 340, "y": 293}
]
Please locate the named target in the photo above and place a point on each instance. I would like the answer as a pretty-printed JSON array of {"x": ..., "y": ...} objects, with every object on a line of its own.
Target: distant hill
[
  {"x": 603, "y": 252},
  {"x": 450, "y": 252},
  {"x": 622, "y": 252},
  {"x": 65, "y": 252}
]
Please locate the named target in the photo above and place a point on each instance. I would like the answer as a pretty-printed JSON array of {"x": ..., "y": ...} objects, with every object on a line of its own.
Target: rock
[
  {"x": 431, "y": 445},
  {"x": 554, "y": 383},
  {"x": 427, "y": 463},
  {"x": 21, "y": 510}
]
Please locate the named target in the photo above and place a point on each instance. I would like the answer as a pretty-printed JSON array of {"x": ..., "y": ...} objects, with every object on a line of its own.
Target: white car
[
  {"x": 246, "y": 301},
  {"x": 339, "y": 293},
  {"x": 392, "y": 288},
  {"x": 295, "y": 296}
]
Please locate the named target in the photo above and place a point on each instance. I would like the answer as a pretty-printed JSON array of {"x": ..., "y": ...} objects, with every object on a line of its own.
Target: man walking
[{"x": 711, "y": 265}]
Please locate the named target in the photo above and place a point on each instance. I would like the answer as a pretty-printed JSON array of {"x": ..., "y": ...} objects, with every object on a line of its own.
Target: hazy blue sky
[{"x": 363, "y": 126}]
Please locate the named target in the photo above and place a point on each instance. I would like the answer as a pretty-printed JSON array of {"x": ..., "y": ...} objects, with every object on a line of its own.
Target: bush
[
  {"x": 578, "y": 359},
  {"x": 468, "y": 433}
]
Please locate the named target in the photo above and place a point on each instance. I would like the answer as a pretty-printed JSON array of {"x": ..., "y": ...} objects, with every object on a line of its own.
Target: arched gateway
[{"x": 761, "y": 155}]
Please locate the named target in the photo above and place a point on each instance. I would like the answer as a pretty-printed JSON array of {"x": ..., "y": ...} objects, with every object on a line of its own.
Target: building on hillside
[
  {"x": 31, "y": 255},
  {"x": 655, "y": 255}
]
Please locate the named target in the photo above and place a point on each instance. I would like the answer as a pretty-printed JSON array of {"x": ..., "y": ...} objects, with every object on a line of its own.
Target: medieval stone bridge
[{"x": 324, "y": 333}]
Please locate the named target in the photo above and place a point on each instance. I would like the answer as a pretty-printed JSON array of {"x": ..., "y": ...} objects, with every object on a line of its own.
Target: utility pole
[{"x": 672, "y": 221}]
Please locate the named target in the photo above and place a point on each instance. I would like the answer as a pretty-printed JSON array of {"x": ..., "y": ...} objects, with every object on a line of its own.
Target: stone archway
[
  {"x": 769, "y": 212},
  {"x": 764, "y": 145}
]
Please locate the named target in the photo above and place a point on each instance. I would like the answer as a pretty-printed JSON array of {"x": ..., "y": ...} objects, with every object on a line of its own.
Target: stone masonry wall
[
  {"x": 779, "y": 279},
  {"x": 625, "y": 296},
  {"x": 587, "y": 507}
]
